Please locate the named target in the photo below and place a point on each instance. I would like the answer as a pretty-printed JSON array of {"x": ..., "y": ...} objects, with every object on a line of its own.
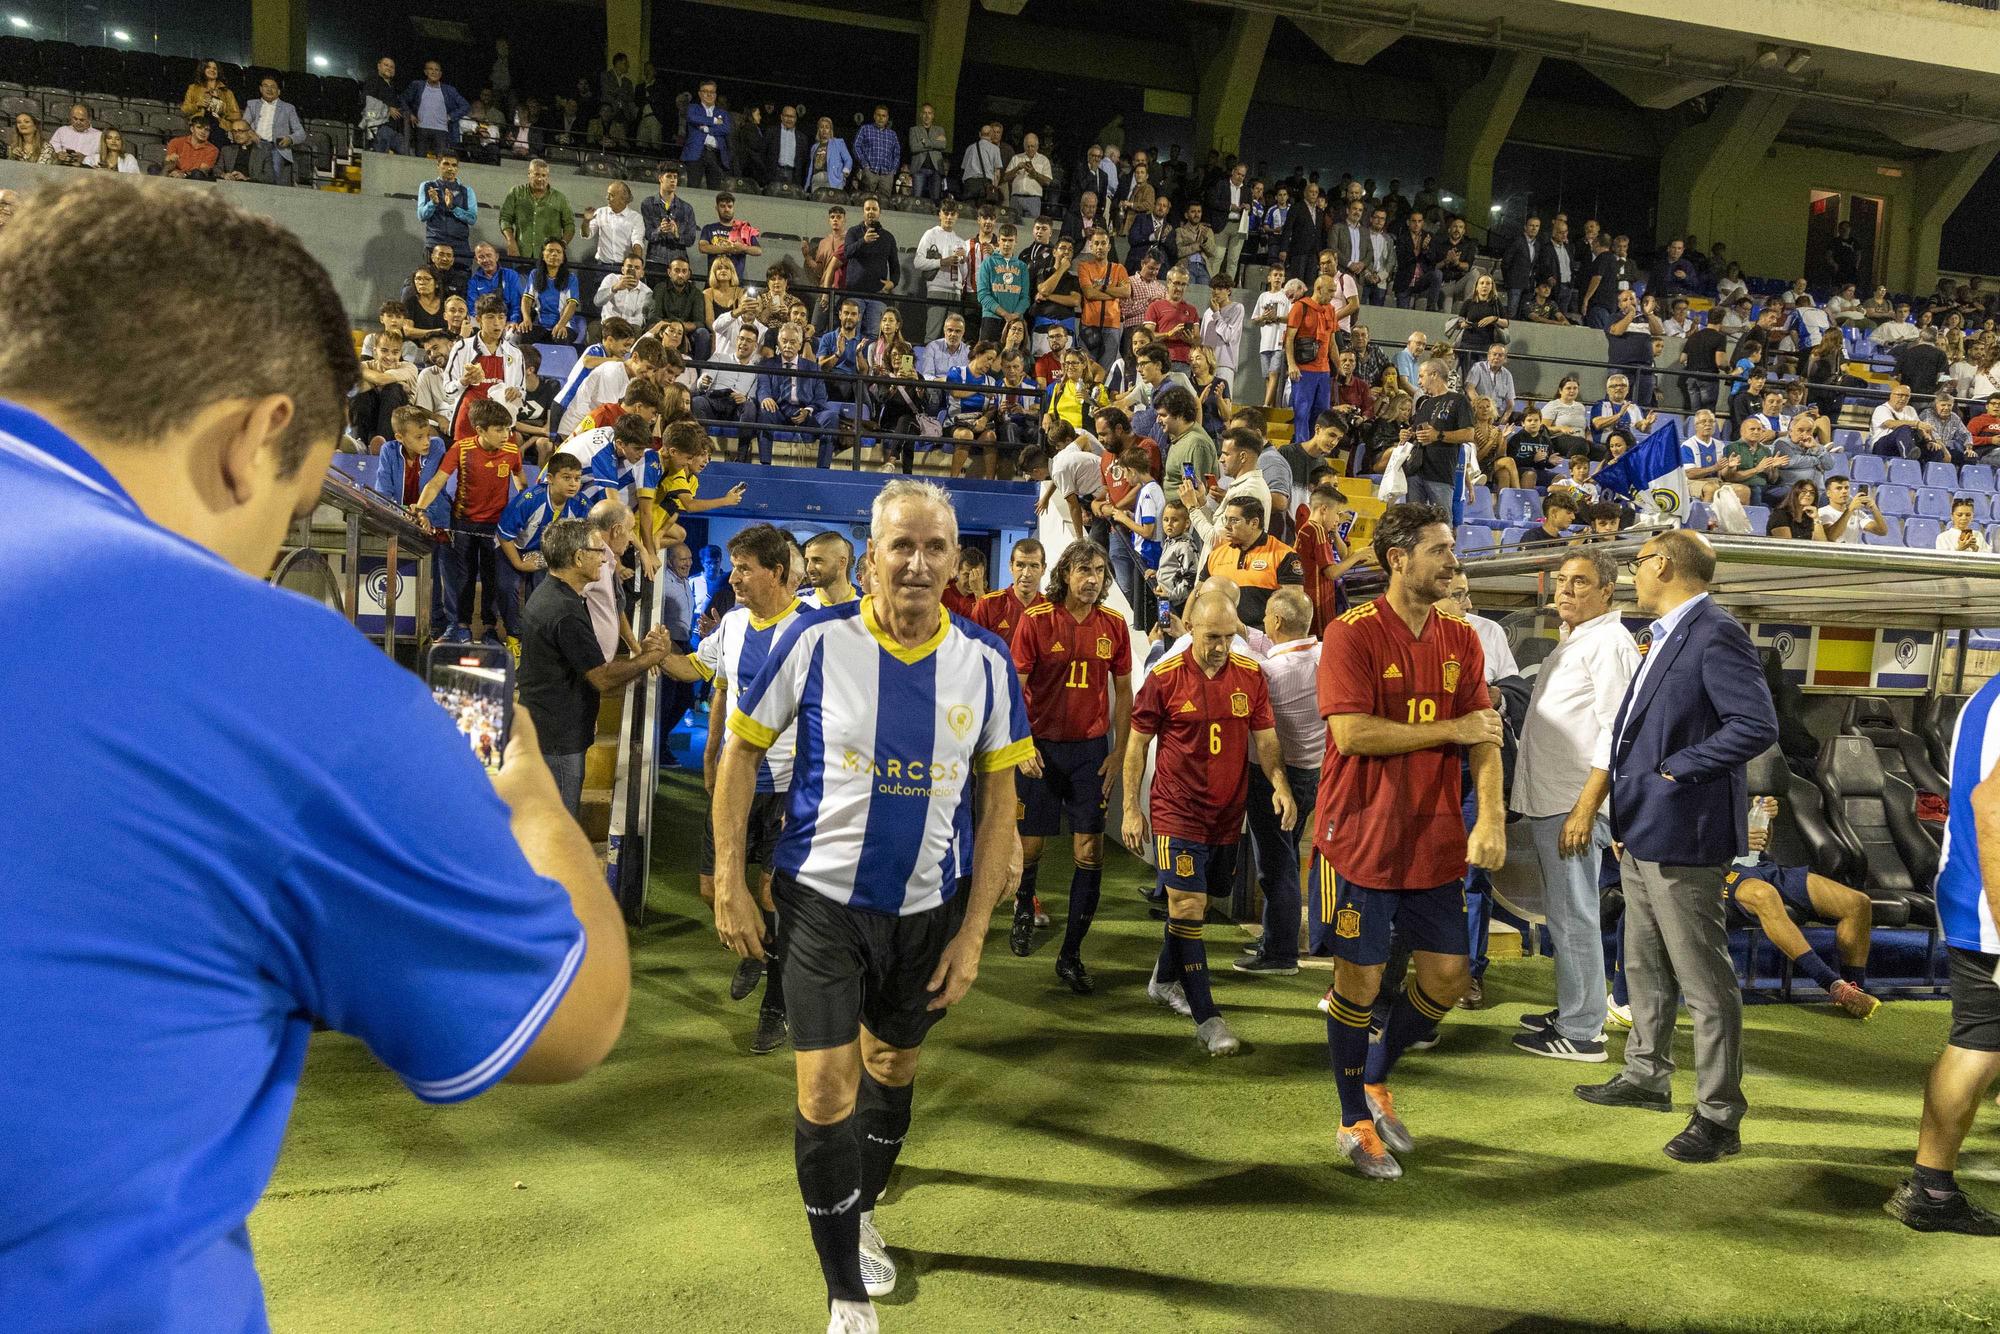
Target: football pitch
[{"x": 1076, "y": 1163}]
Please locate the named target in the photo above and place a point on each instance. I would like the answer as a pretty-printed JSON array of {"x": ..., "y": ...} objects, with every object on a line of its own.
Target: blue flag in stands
[{"x": 1652, "y": 474}]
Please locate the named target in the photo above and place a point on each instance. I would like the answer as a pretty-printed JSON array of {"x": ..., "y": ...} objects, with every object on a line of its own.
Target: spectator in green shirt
[
  {"x": 536, "y": 213},
  {"x": 1189, "y": 445}
]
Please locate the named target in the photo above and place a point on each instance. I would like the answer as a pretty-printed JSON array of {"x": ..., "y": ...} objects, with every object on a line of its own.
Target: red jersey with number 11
[
  {"x": 1069, "y": 665},
  {"x": 1201, "y": 767},
  {"x": 1393, "y": 821}
]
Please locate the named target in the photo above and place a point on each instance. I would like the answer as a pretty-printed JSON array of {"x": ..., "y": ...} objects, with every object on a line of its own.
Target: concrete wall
[{"x": 1765, "y": 225}]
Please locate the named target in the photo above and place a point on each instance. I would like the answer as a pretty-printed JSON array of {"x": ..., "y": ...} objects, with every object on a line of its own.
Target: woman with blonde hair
[
  {"x": 723, "y": 290},
  {"x": 111, "y": 154},
  {"x": 30, "y": 144}
]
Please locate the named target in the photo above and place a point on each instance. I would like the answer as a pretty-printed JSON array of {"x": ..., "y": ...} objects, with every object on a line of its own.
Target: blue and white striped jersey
[
  {"x": 530, "y": 511},
  {"x": 736, "y": 652},
  {"x": 1964, "y": 910},
  {"x": 604, "y": 472},
  {"x": 889, "y": 742}
]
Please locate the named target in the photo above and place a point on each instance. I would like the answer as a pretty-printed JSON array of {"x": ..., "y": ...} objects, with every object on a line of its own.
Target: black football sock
[
  {"x": 881, "y": 1123},
  {"x": 774, "y": 960},
  {"x": 1085, "y": 886},
  {"x": 1024, "y": 893},
  {"x": 1939, "y": 1185},
  {"x": 829, "y": 1167}
]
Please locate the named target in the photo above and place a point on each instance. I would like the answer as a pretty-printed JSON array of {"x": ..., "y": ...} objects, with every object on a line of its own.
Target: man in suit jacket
[
  {"x": 244, "y": 158},
  {"x": 786, "y": 149},
  {"x": 1305, "y": 236},
  {"x": 1695, "y": 714},
  {"x": 277, "y": 125},
  {"x": 706, "y": 151},
  {"x": 1525, "y": 263},
  {"x": 787, "y": 398}
]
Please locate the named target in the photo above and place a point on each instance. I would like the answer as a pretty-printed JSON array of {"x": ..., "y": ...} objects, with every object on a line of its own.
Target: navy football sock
[
  {"x": 1815, "y": 968},
  {"x": 1084, "y": 889},
  {"x": 1413, "y": 1019},
  {"x": 1857, "y": 973},
  {"x": 1193, "y": 959},
  {"x": 1347, "y": 1052},
  {"x": 829, "y": 1168}
]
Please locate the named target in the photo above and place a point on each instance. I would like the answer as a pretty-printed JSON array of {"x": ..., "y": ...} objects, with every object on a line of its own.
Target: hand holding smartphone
[{"x": 475, "y": 685}]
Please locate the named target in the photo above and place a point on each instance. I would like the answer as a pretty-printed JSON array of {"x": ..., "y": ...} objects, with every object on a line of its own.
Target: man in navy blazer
[
  {"x": 787, "y": 398},
  {"x": 1694, "y": 715}
]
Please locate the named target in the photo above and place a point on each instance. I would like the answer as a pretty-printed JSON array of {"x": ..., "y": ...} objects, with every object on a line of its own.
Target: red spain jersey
[
  {"x": 1000, "y": 612},
  {"x": 1068, "y": 666},
  {"x": 958, "y": 603},
  {"x": 1315, "y": 554},
  {"x": 485, "y": 478},
  {"x": 1393, "y": 821},
  {"x": 1201, "y": 767}
]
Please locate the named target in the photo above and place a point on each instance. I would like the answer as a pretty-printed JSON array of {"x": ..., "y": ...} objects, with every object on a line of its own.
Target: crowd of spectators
[{"x": 1049, "y": 292}]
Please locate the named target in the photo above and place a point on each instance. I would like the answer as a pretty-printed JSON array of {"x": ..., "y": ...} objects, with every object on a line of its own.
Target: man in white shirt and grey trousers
[{"x": 1561, "y": 778}]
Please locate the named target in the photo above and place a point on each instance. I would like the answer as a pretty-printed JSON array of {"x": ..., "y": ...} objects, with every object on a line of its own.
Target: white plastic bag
[
  {"x": 1727, "y": 512},
  {"x": 1394, "y": 487}
]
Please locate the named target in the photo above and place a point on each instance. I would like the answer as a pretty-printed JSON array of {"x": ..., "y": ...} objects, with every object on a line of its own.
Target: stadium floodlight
[
  {"x": 120, "y": 35},
  {"x": 19, "y": 22},
  {"x": 319, "y": 62}
]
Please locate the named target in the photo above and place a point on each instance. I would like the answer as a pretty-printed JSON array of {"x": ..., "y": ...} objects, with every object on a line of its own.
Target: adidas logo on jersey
[
  {"x": 1056, "y": 647},
  {"x": 1187, "y": 706},
  {"x": 1392, "y": 673}
]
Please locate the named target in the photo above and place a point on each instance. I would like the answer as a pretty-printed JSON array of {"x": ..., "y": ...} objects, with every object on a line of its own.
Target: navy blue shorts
[
  {"x": 1070, "y": 788},
  {"x": 1364, "y": 920},
  {"x": 1188, "y": 867},
  {"x": 1789, "y": 881}
]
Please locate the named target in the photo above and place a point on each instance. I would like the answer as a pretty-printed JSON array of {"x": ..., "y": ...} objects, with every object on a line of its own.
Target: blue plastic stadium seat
[
  {"x": 1941, "y": 474},
  {"x": 1518, "y": 504},
  {"x": 1698, "y": 516},
  {"x": 1479, "y": 503},
  {"x": 1892, "y": 538},
  {"x": 1993, "y": 537},
  {"x": 359, "y": 467},
  {"x": 1868, "y": 470},
  {"x": 1511, "y": 537},
  {"x": 1896, "y": 499},
  {"x": 1760, "y": 519},
  {"x": 1921, "y": 532},
  {"x": 1847, "y": 438},
  {"x": 1906, "y": 472},
  {"x": 1933, "y": 503},
  {"x": 1474, "y": 540},
  {"x": 1976, "y": 477},
  {"x": 1982, "y": 504}
]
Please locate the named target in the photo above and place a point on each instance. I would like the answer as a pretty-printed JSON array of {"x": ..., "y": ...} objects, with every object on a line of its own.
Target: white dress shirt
[
  {"x": 1571, "y": 714},
  {"x": 1291, "y": 675},
  {"x": 1886, "y": 419},
  {"x": 616, "y": 233},
  {"x": 1500, "y": 662},
  {"x": 1659, "y": 632}
]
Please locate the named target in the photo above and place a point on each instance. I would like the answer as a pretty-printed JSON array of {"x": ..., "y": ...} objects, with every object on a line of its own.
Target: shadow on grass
[{"x": 1259, "y": 1304}]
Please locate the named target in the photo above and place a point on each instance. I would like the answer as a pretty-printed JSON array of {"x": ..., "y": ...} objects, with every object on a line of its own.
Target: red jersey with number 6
[
  {"x": 1201, "y": 766},
  {"x": 1394, "y": 821},
  {"x": 1068, "y": 666}
]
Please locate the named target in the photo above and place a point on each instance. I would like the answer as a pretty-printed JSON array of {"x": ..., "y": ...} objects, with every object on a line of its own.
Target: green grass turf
[{"x": 1078, "y": 1164}]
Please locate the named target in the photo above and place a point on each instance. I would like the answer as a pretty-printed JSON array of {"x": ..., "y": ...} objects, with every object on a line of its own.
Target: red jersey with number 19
[
  {"x": 1201, "y": 767},
  {"x": 1069, "y": 665},
  {"x": 1393, "y": 821}
]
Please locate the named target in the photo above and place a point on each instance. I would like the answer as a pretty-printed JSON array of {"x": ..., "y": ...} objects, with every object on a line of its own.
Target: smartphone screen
[
  {"x": 475, "y": 685},
  {"x": 1166, "y": 611},
  {"x": 1187, "y": 471}
]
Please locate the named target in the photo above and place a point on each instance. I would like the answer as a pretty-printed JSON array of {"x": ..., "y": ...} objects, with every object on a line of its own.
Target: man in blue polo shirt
[{"x": 253, "y": 863}]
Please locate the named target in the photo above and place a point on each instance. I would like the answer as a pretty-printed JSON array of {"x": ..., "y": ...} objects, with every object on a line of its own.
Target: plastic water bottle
[{"x": 1760, "y": 818}]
